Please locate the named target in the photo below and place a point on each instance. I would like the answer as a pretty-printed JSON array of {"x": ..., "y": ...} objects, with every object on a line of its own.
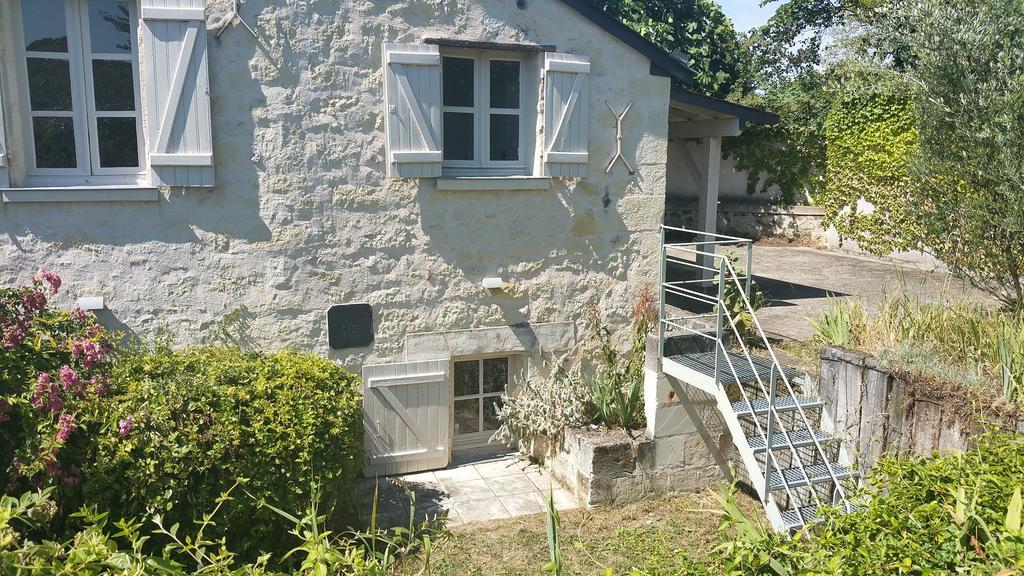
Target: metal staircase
[{"x": 779, "y": 427}]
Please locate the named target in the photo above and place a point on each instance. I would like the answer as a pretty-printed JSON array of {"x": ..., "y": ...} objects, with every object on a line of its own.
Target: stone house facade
[{"x": 444, "y": 162}]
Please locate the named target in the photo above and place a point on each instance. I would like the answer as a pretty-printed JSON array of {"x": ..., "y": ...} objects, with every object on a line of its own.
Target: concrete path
[
  {"x": 798, "y": 281},
  {"x": 475, "y": 488}
]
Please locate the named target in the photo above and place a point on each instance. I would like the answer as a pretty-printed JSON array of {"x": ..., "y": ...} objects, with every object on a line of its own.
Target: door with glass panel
[
  {"x": 478, "y": 386},
  {"x": 79, "y": 76}
]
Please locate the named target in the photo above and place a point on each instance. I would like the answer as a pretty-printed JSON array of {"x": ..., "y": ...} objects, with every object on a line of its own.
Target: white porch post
[{"x": 707, "y": 191}]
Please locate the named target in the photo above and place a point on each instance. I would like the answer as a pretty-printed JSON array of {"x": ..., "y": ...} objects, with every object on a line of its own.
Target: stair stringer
[{"x": 755, "y": 474}]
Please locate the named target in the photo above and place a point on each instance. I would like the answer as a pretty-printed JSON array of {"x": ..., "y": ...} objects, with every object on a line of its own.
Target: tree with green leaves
[
  {"x": 699, "y": 30},
  {"x": 968, "y": 73}
]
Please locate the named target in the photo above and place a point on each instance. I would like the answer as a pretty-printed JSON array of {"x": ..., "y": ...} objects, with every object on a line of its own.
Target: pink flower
[
  {"x": 68, "y": 377},
  {"x": 89, "y": 352},
  {"x": 34, "y": 300},
  {"x": 65, "y": 426},
  {"x": 47, "y": 394},
  {"x": 52, "y": 278},
  {"x": 100, "y": 384},
  {"x": 125, "y": 426},
  {"x": 79, "y": 315}
]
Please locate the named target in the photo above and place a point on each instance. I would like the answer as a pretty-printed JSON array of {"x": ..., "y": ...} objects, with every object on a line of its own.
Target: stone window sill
[
  {"x": 494, "y": 183},
  {"x": 81, "y": 194}
]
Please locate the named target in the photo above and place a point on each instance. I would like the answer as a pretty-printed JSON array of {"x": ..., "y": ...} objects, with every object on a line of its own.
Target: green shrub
[
  {"x": 182, "y": 426},
  {"x": 942, "y": 515},
  {"x": 617, "y": 385},
  {"x": 103, "y": 547}
]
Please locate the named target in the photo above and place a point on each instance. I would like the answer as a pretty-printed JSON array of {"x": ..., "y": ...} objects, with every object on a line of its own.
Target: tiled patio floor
[{"x": 475, "y": 488}]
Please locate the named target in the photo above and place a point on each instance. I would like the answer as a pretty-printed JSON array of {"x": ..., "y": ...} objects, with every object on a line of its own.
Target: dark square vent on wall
[{"x": 349, "y": 326}]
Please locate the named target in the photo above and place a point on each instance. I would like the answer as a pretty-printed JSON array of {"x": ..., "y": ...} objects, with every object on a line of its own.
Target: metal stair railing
[
  {"x": 727, "y": 274},
  {"x": 721, "y": 353}
]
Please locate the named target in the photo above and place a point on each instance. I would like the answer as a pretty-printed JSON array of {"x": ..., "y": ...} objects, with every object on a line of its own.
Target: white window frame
[
  {"x": 80, "y": 57},
  {"x": 482, "y": 165},
  {"x": 481, "y": 436}
]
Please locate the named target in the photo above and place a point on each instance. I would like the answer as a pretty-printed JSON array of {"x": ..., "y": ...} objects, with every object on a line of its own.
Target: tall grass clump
[{"x": 945, "y": 340}]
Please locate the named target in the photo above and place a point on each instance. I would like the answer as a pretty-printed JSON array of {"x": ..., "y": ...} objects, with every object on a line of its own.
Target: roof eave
[
  {"x": 662, "y": 63},
  {"x": 746, "y": 114}
]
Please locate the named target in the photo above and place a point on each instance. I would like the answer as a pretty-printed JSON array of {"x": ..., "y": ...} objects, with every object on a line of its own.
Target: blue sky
[{"x": 745, "y": 14}]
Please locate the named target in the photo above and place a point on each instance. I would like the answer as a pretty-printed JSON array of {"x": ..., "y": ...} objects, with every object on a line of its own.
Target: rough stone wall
[
  {"x": 302, "y": 216},
  {"x": 878, "y": 414}
]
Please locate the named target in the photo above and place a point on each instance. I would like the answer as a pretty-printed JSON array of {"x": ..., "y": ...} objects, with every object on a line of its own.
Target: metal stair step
[
  {"x": 782, "y": 404},
  {"x": 796, "y": 518},
  {"x": 816, "y": 474},
  {"x": 799, "y": 439},
  {"x": 704, "y": 363}
]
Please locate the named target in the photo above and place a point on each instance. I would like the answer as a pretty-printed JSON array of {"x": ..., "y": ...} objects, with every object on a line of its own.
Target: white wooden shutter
[
  {"x": 5, "y": 179},
  {"x": 175, "y": 71},
  {"x": 412, "y": 110},
  {"x": 566, "y": 114},
  {"x": 405, "y": 415}
]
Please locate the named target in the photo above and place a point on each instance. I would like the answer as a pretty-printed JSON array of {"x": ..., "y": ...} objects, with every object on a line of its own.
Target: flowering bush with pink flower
[{"x": 54, "y": 368}]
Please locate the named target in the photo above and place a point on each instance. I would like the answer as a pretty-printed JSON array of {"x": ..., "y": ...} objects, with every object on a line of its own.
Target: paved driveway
[{"x": 798, "y": 281}]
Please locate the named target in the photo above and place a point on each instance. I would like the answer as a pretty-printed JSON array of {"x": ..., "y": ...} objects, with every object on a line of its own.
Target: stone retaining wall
[
  {"x": 684, "y": 448},
  {"x": 876, "y": 413},
  {"x": 752, "y": 220}
]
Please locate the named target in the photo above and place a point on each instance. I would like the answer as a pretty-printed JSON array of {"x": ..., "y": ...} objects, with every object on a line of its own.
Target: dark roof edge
[
  {"x": 662, "y": 63},
  {"x": 746, "y": 114}
]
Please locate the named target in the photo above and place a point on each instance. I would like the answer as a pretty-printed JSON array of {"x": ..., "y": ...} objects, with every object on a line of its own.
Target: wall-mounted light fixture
[
  {"x": 91, "y": 303},
  {"x": 493, "y": 283}
]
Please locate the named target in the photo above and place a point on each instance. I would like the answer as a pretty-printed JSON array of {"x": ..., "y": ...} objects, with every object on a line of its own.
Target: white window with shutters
[
  {"x": 88, "y": 76},
  {"x": 453, "y": 112},
  {"x": 77, "y": 76}
]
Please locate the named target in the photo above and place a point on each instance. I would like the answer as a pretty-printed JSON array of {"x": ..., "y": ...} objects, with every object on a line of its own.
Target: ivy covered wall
[{"x": 872, "y": 138}]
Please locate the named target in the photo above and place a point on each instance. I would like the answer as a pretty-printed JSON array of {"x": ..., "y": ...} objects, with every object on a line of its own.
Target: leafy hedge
[
  {"x": 137, "y": 432},
  {"x": 872, "y": 139},
  {"x": 956, "y": 514},
  {"x": 183, "y": 426}
]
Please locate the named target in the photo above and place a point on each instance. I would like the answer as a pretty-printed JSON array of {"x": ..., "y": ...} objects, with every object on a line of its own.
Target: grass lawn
[{"x": 663, "y": 536}]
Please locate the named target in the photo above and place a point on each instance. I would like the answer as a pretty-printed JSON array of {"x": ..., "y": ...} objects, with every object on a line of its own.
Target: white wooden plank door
[{"x": 405, "y": 414}]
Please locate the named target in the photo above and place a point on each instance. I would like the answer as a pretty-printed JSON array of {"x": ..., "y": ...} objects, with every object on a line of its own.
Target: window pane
[
  {"x": 467, "y": 378},
  {"x": 491, "y": 405},
  {"x": 119, "y": 143},
  {"x": 504, "y": 84},
  {"x": 44, "y": 26},
  {"x": 504, "y": 137},
  {"x": 457, "y": 77},
  {"x": 458, "y": 136},
  {"x": 109, "y": 27},
  {"x": 49, "y": 84},
  {"x": 467, "y": 416},
  {"x": 55, "y": 142},
  {"x": 114, "y": 85},
  {"x": 495, "y": 374}
]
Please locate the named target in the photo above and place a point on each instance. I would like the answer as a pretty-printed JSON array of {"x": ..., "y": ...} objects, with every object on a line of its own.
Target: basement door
[
  {"x": 478, "y": 384},
  {"x": 405, "y": 414}
]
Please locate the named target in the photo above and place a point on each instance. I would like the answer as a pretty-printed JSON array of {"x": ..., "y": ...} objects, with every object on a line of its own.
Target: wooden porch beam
[{"x": 704, "y": 128}]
